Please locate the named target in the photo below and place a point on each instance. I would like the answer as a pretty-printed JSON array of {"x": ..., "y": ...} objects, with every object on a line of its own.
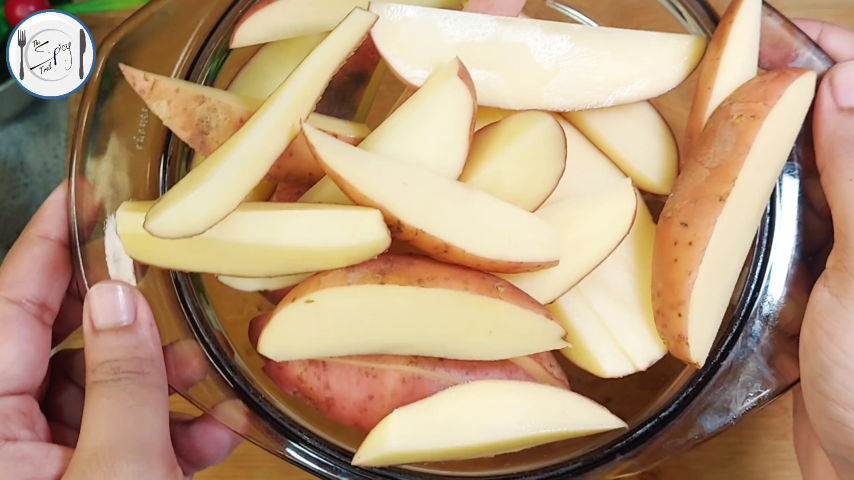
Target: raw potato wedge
[
  {"x": 249, "y": 284},
  {"x": 261, "y": 240},
  {"x": 433, "y": 129},
  {"x": 289, "y": 192},
  {"x": 272, "y": 64},
  {"x": 593, "y": 347},
  {"x": 359, "y": 391},
  {"x": 206, "y": 117},
  {"x": 514, "y": 65},
  {"x": 590, "y": 228},
  {"x": 731, "y": 60},
  {"x": 487, "y": 116},
  {"x": 408, "y": 305},
  {"x": 519, "y": 159},
  {"x": 637, "y": 139},
  {"x": 615, "y": 297},
  {"x": 588, "y": 170},
  {"x": 445, "y": 219},
  {"x": 210, "y": 192},
  {"x": 709, "y": 223},
  {"x": 272, "y": 20},
  {"x": 483, "y": 418}
]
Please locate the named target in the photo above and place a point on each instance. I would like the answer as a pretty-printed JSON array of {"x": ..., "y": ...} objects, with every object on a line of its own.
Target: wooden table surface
[{"x": 758, "y": 448}]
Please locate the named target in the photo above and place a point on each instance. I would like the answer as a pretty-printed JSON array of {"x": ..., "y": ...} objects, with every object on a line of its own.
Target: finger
[
  {"x": 811, "y": 457},
  {"x": 63, "y": 403},
  {"x": 125, "y": 423},
  {"x": 34, "y": 460},
  {"x": 204, "y": 442},
  {"x": 62, "y": 435},
  {"x": 833, "y": 39},
  {"x": 68, "y": 319},
  {"x": 33, "y": 281},
  {"x": 834, "y": 145},
  {"x": 186, "y": 364}
]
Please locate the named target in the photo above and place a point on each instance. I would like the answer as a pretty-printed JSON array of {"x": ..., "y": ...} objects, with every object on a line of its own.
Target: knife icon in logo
[{"x": 82, "y": 50}]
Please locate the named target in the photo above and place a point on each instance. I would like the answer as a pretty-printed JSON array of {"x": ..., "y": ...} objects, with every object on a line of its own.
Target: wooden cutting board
[{"x": 758, "y": 448}]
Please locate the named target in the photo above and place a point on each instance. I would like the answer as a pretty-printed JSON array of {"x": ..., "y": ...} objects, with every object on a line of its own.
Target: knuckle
[{"x": 119, "y": 372}]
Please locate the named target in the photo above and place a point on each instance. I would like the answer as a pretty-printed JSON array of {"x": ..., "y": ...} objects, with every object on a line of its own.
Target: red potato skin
[
  {"x": 691, "y": 213},
  {"x": 289, "y": 192},
  {"x": 347, "y": 88},
  {"x": 360, "y": 391},
  {"x": 708, "y": 70}
]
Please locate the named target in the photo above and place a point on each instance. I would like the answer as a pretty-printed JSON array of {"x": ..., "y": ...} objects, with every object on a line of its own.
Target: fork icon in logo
[{"x": 22, "y": 42}]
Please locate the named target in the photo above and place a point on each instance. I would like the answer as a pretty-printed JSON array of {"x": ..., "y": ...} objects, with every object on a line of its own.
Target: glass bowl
[{"x": 121, "y": 152}]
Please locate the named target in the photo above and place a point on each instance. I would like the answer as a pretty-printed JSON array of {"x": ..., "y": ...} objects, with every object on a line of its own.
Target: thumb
[
  {"x": 125, "y": 428},
  {"x": 827, "y": 366}
]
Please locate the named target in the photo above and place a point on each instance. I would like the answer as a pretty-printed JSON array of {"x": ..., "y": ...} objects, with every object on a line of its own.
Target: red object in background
[{"x": 17, "y": 10}]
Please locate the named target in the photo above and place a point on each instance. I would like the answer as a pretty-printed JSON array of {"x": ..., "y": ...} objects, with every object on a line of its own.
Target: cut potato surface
[
  {"x": 637, "y": 139},
  {"x": 503, "y": 8},
  {"x": 588, "y": 170},
  {"x": 261, "y": 240},
  {"x": 408, "y": 306},
  {"x": 272, "y": 64},
  {"x": 445, "y": 219},
  {"x": 210, "y": 192},
  {"x": 731, "y": 60},
  {"x": 523, "y": 64},
  {"x": 589, "y": 228},
  {"x": 272, "y": 20},
  {"x": 360, "y": 391},
  {"x": 489, "y": 418},
  {"x": 433, "y": 129},
  {"x": 519, "y": 159},
  {"x": 593, "y": 347},
  {"x": 709, "y": 223},
  {"x": 488, "y": 115},
  {"x": 245, "y": 284}
]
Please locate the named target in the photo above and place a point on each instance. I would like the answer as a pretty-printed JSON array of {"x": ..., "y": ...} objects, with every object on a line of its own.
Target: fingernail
[
  {"x": 111, "y": 305},
  {"x": 842, "y": 84}
]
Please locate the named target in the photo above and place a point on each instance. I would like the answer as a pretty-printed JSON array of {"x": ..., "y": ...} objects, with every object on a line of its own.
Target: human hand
[
  {"x": 123, "y": 430},
  {"x": 824, "y": 402}
]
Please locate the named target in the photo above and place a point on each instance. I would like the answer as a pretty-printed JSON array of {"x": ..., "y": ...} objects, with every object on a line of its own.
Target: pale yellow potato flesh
[
  {"x": 519, "y": 159},
  {"x": 488, "y": 115},
  {"x": 433, "y": 128},
  {"x": 637, "y": 139},
  {"x": 590, "y": 227},
  {"x": 593, "y": 347},
  {"x": 588, "y": 170},
  {"x": 272, "y": 64},
  {"x": 620, "y": 292},
  {"x": 483, "y": 418},
  {"x": 262, "y": 284},
  {"x": 625, "y": 275},
  {"x": 261, "y": 240},
  {"x": 444, "y": 218},
  {"x": 214, "y": 189},
  {"x": 405, "y": 320},
  {"x": 710, "y": 222},
  {"x": 273, "y": 20},
  {"x": 527, "y": 64},
  {"x": 731, "y": 60}
]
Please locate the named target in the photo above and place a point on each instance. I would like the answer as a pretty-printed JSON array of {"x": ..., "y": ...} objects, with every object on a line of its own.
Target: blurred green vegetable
[{"x": 99, "y": 6}]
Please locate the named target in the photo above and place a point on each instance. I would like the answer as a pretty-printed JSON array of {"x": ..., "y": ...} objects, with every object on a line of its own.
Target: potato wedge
[
  {"x": 590, "y": 228},
  {"x": 489, "y": 418},
  {"x": 408, "y": 305},
  {"x": 519, "y": 159},
  {"x": 731, "y": 60},
  {"x": 637, "y": 139},
  {"x": 709, "y": 223},
  {"x": 445, "y": 219},
  {"x": 261, "y": 240},
  {"x": 433, "y": 129},
  {"x": 209, "y": 193},
  {"x": 261, "y": 284},
  {"x": 271, "y": 65},
  {"x": 517, "y": 64}
]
